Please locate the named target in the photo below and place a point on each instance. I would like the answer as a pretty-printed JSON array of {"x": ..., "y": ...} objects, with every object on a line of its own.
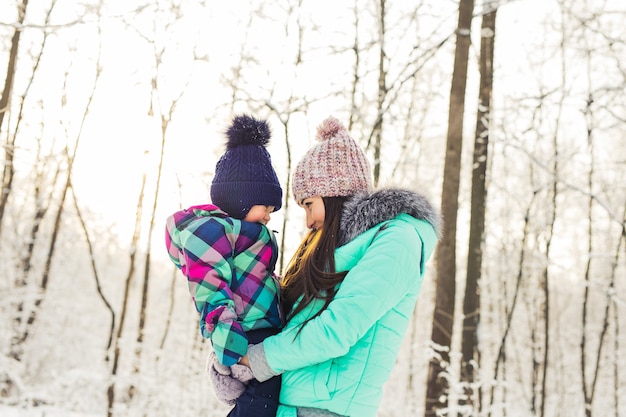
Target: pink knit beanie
[{"x": 334, "y": 167}]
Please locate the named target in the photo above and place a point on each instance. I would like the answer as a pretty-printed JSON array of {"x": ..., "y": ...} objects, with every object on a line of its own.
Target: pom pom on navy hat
[{"x": 246, "y": 130}]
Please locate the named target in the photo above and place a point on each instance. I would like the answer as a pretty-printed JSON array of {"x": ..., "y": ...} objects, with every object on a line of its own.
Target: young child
[{"x": 228, "y": 256}]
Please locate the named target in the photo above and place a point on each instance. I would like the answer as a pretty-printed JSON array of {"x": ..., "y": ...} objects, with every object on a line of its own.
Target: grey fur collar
[{"x": 366, "y": 210}]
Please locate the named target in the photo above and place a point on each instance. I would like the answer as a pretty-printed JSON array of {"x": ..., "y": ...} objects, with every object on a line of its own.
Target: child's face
[
  {"x": 315, "y": 212},
  {"x": 259, "y": 214}
]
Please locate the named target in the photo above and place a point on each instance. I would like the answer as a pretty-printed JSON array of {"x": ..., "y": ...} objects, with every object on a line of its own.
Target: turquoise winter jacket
[{"x": 342, "y": 358}]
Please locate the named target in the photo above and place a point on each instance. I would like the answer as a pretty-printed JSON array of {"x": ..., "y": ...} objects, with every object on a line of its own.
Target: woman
[{"x": 351, "y": 287}]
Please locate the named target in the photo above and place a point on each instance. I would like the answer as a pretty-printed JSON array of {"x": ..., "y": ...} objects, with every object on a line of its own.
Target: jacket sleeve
[
  {"x": 388, "y": 270},
  {"x": 202, "y": 249}
]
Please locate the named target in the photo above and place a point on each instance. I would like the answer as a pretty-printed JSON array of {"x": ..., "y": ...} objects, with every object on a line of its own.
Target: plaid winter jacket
[{"x": 229, "y": 266}]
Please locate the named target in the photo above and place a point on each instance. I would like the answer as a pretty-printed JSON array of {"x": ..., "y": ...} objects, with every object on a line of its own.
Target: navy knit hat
[{"x": 244, "y": 176}]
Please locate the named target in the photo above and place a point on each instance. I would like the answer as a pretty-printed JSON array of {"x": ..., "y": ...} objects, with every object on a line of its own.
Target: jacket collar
[{"x": 366, "y": 210}]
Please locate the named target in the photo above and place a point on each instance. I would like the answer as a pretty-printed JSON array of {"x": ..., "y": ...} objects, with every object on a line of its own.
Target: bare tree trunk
[
  {"x": 41, "y": 203},
  {"x": 500, "y": 359},
  {"x": 70, "y": 158},
  {"x": 284, "y": 115},
  {"x": 165, "y": 118},
  {"x": 437, "y": 390},
  {"x": 163, "y": 115},
  {"x": 235, "y": 79},
  {"x": 471, "y": 305},
  {"x": 5, "y": 99},
  {"x": 285, "y": 118},
  {"x": 170, "y": 311},
  {"x": 616, "y": 378},
  {"x": 146, "y": 276},
  {"x": 172, "y": 292},
  {"x": 357, "y": 64},
  {"x": 126, "y": 298},
  {"x": 287, "y": 190},
  {"x": 587, "y": 392},
  {"x": 616, "y": 327},
  {"x": 589, "y": 386},
  {"x": 377, "y": 130},
  {"x": 543, "y": 364},
  {"x": 411, "y": 140},
  {"x": 536, "y": 369},
  {"x": 94, "y": 269}
]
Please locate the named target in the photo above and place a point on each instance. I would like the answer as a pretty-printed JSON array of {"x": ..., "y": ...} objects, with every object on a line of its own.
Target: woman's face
[{"x": 315, "y": 212}]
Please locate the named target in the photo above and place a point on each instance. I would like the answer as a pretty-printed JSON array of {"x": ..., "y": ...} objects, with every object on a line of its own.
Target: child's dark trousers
[{"x": 260, "y": 399}]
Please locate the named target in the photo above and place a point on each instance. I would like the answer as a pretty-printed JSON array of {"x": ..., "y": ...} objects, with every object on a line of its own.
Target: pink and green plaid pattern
[{"x": 229, "y": 266}]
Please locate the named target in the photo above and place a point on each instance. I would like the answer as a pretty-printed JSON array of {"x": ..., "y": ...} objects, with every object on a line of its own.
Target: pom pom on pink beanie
[{"x": 334, "y": 167}]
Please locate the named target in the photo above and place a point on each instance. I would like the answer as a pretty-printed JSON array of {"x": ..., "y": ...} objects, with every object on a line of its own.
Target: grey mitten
[
  {"x": 227, "y": 388},
  {"x": 241, "y": 373}
]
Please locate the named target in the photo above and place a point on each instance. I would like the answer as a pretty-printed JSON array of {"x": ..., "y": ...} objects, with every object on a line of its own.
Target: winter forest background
[{"x": 509, "y": 115}]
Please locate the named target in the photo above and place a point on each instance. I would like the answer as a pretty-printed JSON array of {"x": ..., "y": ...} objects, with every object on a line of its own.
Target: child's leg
[{"x": 260, "y": 399}]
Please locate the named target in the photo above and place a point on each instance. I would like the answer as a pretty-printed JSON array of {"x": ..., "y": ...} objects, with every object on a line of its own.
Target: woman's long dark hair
[{"x": 311, "y": 271}]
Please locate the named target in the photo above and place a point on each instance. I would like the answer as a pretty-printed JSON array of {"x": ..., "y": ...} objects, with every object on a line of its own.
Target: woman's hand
[{"x": 244, "y": 361}]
